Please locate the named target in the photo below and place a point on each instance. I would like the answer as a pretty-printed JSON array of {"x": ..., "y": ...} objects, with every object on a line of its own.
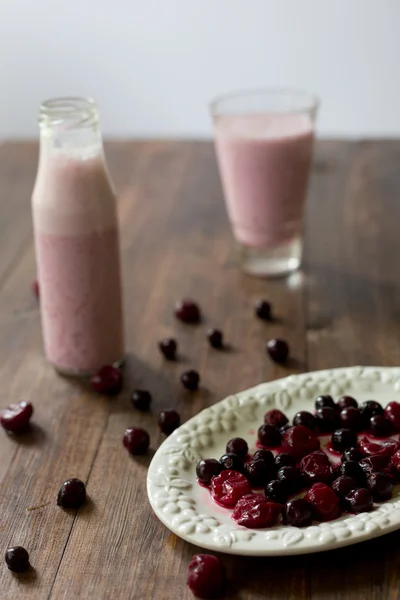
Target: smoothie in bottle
[{"x": 76, "y": 239}]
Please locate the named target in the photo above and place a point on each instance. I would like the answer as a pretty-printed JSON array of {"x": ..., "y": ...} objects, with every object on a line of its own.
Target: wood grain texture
[{"x": 341, "y": 310}]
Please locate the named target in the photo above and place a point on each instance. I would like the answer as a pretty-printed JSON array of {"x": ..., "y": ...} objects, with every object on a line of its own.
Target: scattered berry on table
[
  {"x": 168, "y": 348},
  {"x": 168, "y": 421},
  {"x": 263, "y": 310},
  {"x": 136, "y": 440},
  {"x": 206, "y": 576},
  {"x": 108, "y": 380},
  {"x": 72, "y": 494},
  {"x": 187, "y": 311},
  {"x": 16, "y": 417},
  {"x": 17, "y": 559},
  {"x": 278, "y": 350},
  {"x": 215, "y": 338},
  {"x": 190, "y": 380},
  {"x": 141, "y": 399}
]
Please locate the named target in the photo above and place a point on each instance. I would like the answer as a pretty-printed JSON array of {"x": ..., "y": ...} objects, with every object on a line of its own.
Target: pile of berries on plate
[{"x": 293, "y": 478}]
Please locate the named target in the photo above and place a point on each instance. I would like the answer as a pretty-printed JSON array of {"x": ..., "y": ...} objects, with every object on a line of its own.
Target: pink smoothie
[
  {"x": 264, "y": 163},
  {"x": 77, "y": 251}
]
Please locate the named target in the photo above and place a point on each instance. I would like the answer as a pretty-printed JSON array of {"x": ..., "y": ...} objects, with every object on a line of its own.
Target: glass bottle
[{"x": 76, "y": 241}]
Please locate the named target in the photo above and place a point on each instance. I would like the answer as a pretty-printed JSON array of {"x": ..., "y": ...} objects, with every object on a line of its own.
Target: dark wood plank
[{"x": 177, "y": 243}]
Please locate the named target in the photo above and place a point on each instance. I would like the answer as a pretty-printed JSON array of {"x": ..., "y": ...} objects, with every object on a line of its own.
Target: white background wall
[{"x": 153, "y": 65}]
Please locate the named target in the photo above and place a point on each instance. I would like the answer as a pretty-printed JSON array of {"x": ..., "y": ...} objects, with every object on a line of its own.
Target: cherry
[
  {"x": 266, "y": 456},
  {"x": 206, "y": 576},
  {"x": 228, "y": 487},
  {"x": 377, "y": 462},
  {"x": 187, "y": 311},
  {"x": 327, "y": 419},
  {"x": 108, "y": 380},
  {"x": 392, "y": 412},
  {"x": 284, "y": 460},
  {"x": 299, "y": 441},
  {"x": 17, "y": 559},
  {"x": 168, "y": 421},
  {"x": 352, "y": 454},
  {"x": 306, "y": 419},
  {"x": 396, "y": 460},
  {"x": 16, "y": 417},
  {"x": 353, "y": 470},
  {"x": 343, "y": 438},
  {"x": 168, "y": 347},
  {"x": 269, "y": 436},
  {"x": 346, "y": 402},
  {"x": 190, "y": 380},
  {"x": 136, "y": 440},
  {"x": 278, "y": 350},
  {"x": 325, "y": 502},
  {"x": 237, "y": 446},
  {"x": 359, "y": 500},
  {"x": 380, "y": 486},
  {"x": 36, "y": 289},
  {"x": 276, "y": 491},
  {"x": 141, "y": 399},
  {"x": 385, "y": 448},
  {"x": 254, "y": 510},
  {"x": 351, "y": 418},
  {"x": 316, "y": 467},
  {"x": 231, "y": 461},
  {"x": 276, "y": 418},
  {"x": 263, "y": 310},
  {"x": 297, "y": 512},
  {"x": 215, "y": 338},
  {"x": 380, "y": 426},
  {"x": 258, "y": 473},
  {"x": 206, "y": 469},
  {"x": 343, "y": 485},
  {"x": 325, "y": 401},
  {"x": 72, "y": 494},
  {"x": 291, "y": 478},
  {"x": 369, "y": 409}
]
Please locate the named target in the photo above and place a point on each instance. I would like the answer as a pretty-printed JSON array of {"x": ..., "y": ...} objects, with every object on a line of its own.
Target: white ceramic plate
[{"x": 187, "y": 509}]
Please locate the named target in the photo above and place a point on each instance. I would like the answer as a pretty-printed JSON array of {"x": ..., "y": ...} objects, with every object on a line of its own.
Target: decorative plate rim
[{"x": 172, "y": 495}]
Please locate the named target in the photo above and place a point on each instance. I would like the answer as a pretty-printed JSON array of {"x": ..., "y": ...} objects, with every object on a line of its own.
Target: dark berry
[
  {"x": 168, "y": 347},
  {"x": 108, "y": 380},
  {"x": 299, "y": 441},
  {"x": 351, "y": 418},
  {"x": 316, "y": 467},
  {"x": 380, "y": 426},
  {"x": 72, "y": 494},
  {"x": 353, "y": 470},
  {"x": 297, "y": 512},
  {"x": 237, "y": 446},
  {"x": 291, "y": 477},
  {"x": 136, "y": 440},
  {"x": 381, "y": 463},
  {"x": 16, "y": 417},
  {"x": 231, "y": 461},
  {"x": 325, "y": 503},
  {"x": 284, "y": 428},
  {"x": 269, "y": 436},
  {"x": 263, "y": 310},
  {"x": 352, "y": 454},
  {"x": 266, "y": 456},
  {"x": 206, "y": 576},
  {"x": 325, "y": 402},
  {"x": 215, "y": 338},
  {"x": 228, "y": 487},
  {"x": 346, "y": 401},
  {"x": 396, "y": 461},
  {"x": 359, "y": 500},
  {"x": 306, "y": 419},
  {"x": 392, "y": 412},
  {"x": 17, "y": 559},
  {"x": 385, "y": 448},
  {"x": 276, "y": 418},
  {"x": 284, "y": 460},
  {"x": 343, "y": 485},
  {"x": 187, "y": 311},
  {"x": 190, "y": 380},
  {"x": 206, "y": 469},
  {"x": 254, "y": 510},
  {"x": 276, "y": 491},
  {"x": 343, "y": 438},
  {"x": 327, "y": 419},
  {"x": 168, "y": 421},
  {"x": 36, "y": 289},
  {"x": 381, "y": 486},
  {"x": 278, "y": 350},
  {"x": 258, "y": 472},
  {"x": 141, "y": 399},
  {"x": 370, "y": 409}
]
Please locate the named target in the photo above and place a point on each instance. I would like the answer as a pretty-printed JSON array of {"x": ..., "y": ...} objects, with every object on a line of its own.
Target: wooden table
[{"x": 342, "y": 309}]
